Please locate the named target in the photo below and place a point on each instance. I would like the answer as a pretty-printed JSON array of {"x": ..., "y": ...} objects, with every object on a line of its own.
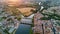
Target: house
[{"x": 41, "y": 26}]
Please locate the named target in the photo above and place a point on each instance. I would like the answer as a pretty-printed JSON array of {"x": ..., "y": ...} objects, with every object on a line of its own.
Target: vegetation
[
  {"x": 6, "y": 31},
  {"x": 0, "y": 33},
  {"x": 0, "y": 19},
  {"x": 31, "y": 32},
  {"x": 33, "y": 22}
]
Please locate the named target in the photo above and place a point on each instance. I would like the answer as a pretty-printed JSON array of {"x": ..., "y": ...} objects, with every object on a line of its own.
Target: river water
[{"x": 23, "y": 29}]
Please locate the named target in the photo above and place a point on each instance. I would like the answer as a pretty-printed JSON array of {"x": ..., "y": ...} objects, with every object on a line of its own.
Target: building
[{"x": 41, "y": 26}]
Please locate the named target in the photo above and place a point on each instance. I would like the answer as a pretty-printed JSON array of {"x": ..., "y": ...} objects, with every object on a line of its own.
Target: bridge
[{"x": 27, "y": 21}]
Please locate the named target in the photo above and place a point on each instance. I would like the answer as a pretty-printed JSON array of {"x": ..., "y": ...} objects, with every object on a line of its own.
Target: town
[{"x": 30, "y": 17}]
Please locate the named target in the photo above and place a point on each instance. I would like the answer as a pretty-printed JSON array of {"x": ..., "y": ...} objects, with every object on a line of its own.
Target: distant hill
[
  {"x": 50, "y": 2},
  {"x": 53, "y": 2}
]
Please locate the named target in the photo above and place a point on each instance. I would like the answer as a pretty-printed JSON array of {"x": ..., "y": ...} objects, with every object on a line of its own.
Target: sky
[
  {"x": 57, "y": 2},
  {"x": 21, "y": 0}
]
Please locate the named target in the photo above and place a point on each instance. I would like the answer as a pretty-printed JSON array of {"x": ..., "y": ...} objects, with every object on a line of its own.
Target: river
[{"x": 23, "y": 29}]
